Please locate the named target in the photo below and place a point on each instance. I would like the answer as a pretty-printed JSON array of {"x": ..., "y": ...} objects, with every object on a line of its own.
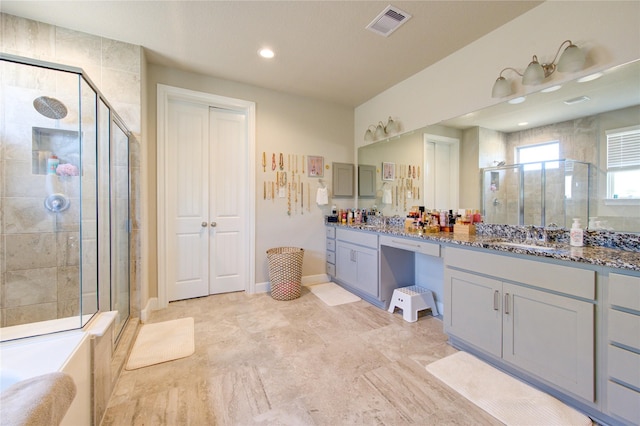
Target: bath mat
[
  {"x": 162, "y": 342},
  {"x": 332, "y": 294},
  {"x": 504, "y": 397}
]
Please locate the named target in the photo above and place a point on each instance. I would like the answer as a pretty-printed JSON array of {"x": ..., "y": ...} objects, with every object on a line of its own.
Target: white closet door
[
  {"x": 228, "y": 210},
  {"x": 187, "y": 186}
]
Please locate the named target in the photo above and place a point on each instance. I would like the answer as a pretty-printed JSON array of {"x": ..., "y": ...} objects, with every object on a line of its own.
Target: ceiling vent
[{"x": 388, "y": 21}]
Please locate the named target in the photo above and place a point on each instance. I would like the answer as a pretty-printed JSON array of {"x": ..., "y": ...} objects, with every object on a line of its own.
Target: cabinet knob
[
  {"x": 203, "y": 224},
  {"x": 213, "y": 224}
]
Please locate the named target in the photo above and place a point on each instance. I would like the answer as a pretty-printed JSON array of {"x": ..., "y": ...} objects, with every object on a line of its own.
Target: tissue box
[{"x": 464, "y": 229}]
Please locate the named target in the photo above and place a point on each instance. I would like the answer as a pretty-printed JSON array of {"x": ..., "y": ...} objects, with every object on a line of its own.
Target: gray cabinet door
[
  {"x": 366, "y": 181},
  {"x": 474, "y": 310},
  {"x": 346, "y": 266},
  {"x": 342, "y": 180},
  {"x": 550, "y": 336},
  {"x": 357, "y": 267},
  {"x": 367, "y": 260}
]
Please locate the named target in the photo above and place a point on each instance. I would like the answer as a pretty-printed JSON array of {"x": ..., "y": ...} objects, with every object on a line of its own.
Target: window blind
[{"x": 623, "y": 148}]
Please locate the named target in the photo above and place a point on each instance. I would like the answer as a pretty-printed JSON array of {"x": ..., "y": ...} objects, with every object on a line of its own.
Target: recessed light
[
  {"x": 517, "y": 100},
  {"x": 551, "y": 89},
  {"x": 266, "y": 53},
  {"x": 590, "y": 77},
  {"x": 577, "y": 100}
]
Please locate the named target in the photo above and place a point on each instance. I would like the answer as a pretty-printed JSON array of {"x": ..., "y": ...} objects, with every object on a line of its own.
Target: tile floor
[{"x": 264, "y": 362}]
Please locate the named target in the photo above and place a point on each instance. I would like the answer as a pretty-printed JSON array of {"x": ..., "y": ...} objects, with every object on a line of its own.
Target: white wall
[
  {"x": 284, "y": 124},
  {"x": 462, "y": 82}
]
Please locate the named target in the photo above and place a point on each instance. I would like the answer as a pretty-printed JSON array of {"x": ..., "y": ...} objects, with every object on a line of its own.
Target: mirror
[{"x": 578, "y": 114}]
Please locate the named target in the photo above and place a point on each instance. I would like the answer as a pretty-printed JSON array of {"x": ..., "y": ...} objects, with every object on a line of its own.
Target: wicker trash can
[{"x": 285, "y": 272}]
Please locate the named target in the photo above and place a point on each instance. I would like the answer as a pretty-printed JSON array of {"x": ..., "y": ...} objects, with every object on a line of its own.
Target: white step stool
[{"x": 411, "y": 300}]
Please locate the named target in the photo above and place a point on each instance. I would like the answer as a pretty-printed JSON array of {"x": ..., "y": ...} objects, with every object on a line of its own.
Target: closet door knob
[
  {"x": 203, "y": 224},
  {"x": 213, "y": 224}
]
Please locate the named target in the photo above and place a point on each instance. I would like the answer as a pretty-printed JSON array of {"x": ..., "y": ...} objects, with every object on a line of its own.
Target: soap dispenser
[{"x": 576, "y": 233}]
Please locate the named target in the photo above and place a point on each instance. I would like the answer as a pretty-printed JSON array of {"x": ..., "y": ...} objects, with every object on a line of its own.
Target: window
[
  {"x": 623, "y": 163},
  {"x": 534, "y": 155}
]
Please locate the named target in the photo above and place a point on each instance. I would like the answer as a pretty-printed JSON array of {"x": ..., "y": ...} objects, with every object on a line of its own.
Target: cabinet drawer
[
  {"x": 624, "y": 365},
  {"x": 331, "y": 257},
  {"x": 331, "y": 232},
  {"x": 564, "y": 279},
  {"x": 366, "y": 239},
  {"x": 331, "y": 269},
  {"x": 331, "y": 245},
  {"x": 624, "y": 291},
  {"x": 624, "y": 328},
  {"x": 430, "y": 249},
  {"x": 624, "y": 402}
]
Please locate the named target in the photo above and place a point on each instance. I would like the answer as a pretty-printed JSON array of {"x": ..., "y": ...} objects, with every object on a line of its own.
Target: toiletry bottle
[
  {"x": 576, "y": 233},
  {"x": 52, "y": 164}
]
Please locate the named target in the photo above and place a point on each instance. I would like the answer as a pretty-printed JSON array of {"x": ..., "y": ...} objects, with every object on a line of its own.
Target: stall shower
[
  {"x": 64, "y": 201},
  {"x": 547, "y": 193}
]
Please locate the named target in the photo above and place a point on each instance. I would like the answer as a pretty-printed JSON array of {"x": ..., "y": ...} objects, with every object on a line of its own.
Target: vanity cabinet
[
  {"x": 538, "y": 318},
  {"x": 623, "y": 360},
  {"x": 357, "y": 261}
]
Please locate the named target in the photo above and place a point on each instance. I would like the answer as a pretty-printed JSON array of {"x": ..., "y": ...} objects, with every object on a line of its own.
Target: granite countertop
[{"x": 594, "y": 255}]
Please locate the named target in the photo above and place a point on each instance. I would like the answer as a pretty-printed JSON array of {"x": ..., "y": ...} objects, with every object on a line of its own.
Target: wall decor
[
  {"x": 315, "y": 166},
  {"x": 388, "y": 171}
]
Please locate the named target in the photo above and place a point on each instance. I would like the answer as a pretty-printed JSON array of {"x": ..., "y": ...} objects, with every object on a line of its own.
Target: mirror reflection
[{"x": 593, "y": 124}]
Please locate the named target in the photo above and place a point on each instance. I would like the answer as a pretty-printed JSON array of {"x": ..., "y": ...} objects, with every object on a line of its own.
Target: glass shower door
[
  {"x": 120, "y": 225},
  {"x": 48, "y": 235}
]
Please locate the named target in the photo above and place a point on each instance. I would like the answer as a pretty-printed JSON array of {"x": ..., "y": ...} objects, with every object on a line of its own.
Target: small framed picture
[
  {"x": 315, "y": 166},
  {"x": 388, "y": 171}
]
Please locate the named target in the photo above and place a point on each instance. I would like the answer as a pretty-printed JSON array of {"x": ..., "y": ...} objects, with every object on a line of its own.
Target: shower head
[{"x": 50, "y": 107}]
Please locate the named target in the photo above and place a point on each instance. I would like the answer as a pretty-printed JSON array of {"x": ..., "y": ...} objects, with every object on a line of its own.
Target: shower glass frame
[{"x": 94, "y": 252}]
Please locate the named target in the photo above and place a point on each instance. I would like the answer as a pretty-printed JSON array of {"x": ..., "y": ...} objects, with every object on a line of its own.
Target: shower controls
[{"x": 57, "y": 203}]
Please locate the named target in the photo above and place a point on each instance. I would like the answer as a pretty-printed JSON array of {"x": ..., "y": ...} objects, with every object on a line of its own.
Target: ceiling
[{"x": 323, "y": 50}]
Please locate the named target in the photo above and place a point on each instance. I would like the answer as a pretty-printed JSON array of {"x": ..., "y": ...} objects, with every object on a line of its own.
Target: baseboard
[
  {"x": 315, "y": 279},
  {"x": 265, "y": 287},
  {"x": 152, "y": 305}
]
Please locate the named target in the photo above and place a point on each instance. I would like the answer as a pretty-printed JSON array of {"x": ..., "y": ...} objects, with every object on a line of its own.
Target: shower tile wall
[{"x": 115, "y": 67}]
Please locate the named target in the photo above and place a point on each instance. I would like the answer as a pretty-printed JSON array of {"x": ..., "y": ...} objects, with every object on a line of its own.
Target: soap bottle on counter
[{"x": 576, "y": 233}]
